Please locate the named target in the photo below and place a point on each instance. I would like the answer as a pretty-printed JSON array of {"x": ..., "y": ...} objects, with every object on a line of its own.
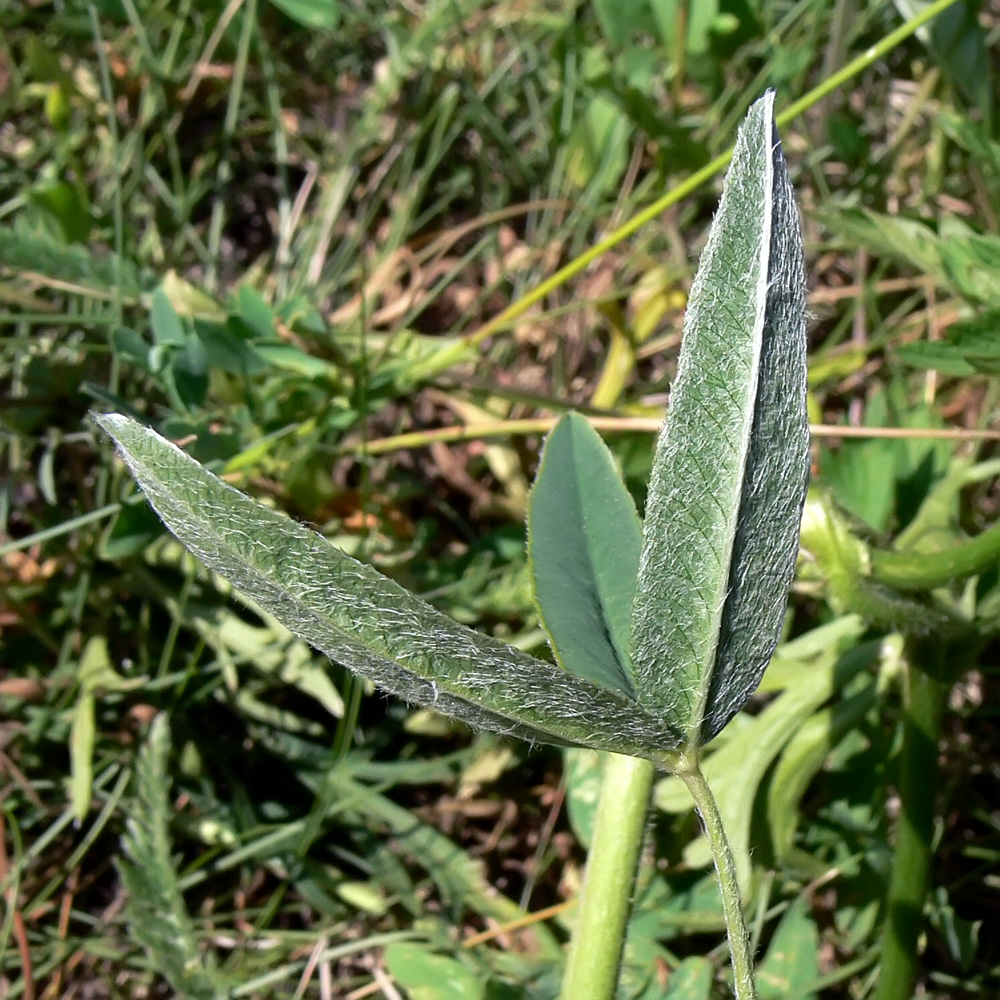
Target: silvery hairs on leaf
[
  {"x": 368, "y": 623},
  {"x": 718, "y": 545},
  {"x": 732, "y": 461}
]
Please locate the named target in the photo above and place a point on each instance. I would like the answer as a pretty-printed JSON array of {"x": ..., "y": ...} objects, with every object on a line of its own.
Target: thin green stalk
[
  {"x": 224, "y": 169},
  {"x": 606, "y": 898},
  {"x": 925, "y": 695},
  {"x": 456, "y": 352},
  {"x": 729, "y": 887}
]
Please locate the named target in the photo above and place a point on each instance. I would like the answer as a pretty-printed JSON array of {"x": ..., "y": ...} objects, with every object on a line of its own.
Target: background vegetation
[{"x": 274, "y": 231}]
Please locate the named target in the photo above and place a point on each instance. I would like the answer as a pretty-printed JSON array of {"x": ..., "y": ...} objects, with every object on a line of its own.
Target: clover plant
[{"x": 660, "y": 630}]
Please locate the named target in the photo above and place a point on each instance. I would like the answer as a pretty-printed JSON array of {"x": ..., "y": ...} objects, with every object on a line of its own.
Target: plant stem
[
  {"x": 606, "y": 898},
  {"x": 925, "y": 694},
  {"x": 926, "y": 570},
  {"x": 729, "y": 887}
]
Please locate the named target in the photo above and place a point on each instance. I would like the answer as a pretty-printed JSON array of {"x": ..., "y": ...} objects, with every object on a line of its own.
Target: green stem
[
  {"x": 606, "y": 898},
  {"x": 926, "y": 570},
  {"x": 729, "y": 887},
  {"x": 925, "y": 695}
]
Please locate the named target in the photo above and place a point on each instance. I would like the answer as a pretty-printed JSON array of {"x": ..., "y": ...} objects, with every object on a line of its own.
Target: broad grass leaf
[
  {"x": 370, "y": 624},
  {"x": 584, "y": 539},
  {"x": 889, "y": 236},
  {"x": 731, "y": 465},
  {"x": 802, "y": 759},
  {"x": 24, "y": 247}
]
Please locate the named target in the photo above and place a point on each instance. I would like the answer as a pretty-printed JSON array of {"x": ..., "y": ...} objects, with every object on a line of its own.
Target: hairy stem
[
  {"x": 606, "y": 898},
  {"x": 729, "y": 888}
]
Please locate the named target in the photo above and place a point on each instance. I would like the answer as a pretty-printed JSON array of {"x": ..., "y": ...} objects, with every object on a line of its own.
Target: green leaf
[
  {"x": 316, "y": 14},
  {"x": 25, "y": 248},
  {"x": 597, "y": 147},
  {"x": 958, "y": 43},
  {"x": 791, "y": 965},
  {"x": 584, "y": 540},
  {"x": 163, "y": 318},
  {"x": 255, "y": 312},
  {"x": 971, "y": 346},
  {"x": 731, "y": 465},
  {"x": 427, "y": 976},
  {"x": 67, "y": 205},
  {"x": 889, "y": 236},
  {"x": 696, "y": 20},
  {"x": 370, "y": 624},
  {"x": 132, "y": 529},
  {"x": 802, "y": 759},
  {"x": 82, "y": 737},
  {"x": 972, "y": 264},
  {"x": 583, "y": 772},
  {"x": 691, "y": 980}
]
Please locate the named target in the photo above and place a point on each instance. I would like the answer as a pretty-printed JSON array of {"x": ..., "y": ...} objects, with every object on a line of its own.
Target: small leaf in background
[
  {"x": 731, "y": 465},
  {"x": 134, "y": 527},
  {"x": 889, "y": 236},
  {"x": 691, "y": 980},
  {"x": 802, "y": 759},
  {"x": 737, "y": 769},
  {"x": 647, "y": 967},
  {"x": 960, "y": 936},
  {"x": 83, "y": 731},
  {"x": 791, "y": 964},
  {"x": 130, "y": 346},
  {"x": 583, "y": 787},
  {"x": 189, "y": 300},
  {"x": 427, "y": 976},
  {"x": 67, "y": 205},
  {"x": 697, "y": 19},
  {"x": 227, "y": 350},
  {"x": 584, "y": 539},
  {"x": 621, "y": 22},
  {"x": 255, "y": 312},
  {"x": 862, "y": 474},
  {"x": 971, "y": 346},
  {"x": 597, "y": 147},
  {"x": 972, "y": 265},
  {"x": 880, "y": 477},
  {"x": 94, "y": 673},
  {"x": 166, "y": 324},
  {"x": 189, "y": 372},
  {"x": 316, "y": 14}
]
